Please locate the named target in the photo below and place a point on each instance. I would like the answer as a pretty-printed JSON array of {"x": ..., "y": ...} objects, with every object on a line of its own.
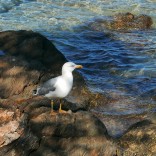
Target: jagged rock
[
  {"x": 10, "y": 128},
  {"x": 8, "y": 133},
  {"x": 6, "y": 115}
]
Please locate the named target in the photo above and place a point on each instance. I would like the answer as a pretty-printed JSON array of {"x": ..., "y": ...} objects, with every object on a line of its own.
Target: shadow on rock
[{"x": 141, "y": 137}]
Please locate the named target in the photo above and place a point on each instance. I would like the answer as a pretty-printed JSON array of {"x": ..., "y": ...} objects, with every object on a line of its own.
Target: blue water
[{"x": 120, "y": 64}]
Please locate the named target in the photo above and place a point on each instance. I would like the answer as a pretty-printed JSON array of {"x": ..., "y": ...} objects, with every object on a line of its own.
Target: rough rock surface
[
  {"x": 10, "y": 127},
  {"x": 140, "y": 138},
  {"x": 123, "y": 21}
]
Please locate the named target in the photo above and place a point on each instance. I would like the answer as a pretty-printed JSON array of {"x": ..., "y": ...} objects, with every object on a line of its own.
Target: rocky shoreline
[{"x": 27, "y": 128}]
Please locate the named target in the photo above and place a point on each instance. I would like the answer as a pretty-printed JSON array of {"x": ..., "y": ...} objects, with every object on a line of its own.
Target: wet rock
[
  {"x": 129, "y": 21},
  {"x": 140, "y": 138},
  {"x": 123, "y": 21},
  {"x": 117, "y": 125}
]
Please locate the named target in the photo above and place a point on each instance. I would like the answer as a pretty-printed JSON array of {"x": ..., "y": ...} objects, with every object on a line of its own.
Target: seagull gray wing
[{"x": 46, "y": 87}]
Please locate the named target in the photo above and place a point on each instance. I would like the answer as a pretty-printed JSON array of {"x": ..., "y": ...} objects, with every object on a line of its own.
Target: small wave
[{"x": 6, "y": 5}]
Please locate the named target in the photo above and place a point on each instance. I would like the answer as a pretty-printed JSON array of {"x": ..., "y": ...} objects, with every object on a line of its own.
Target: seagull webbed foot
[{"x": 61, "y": 110}]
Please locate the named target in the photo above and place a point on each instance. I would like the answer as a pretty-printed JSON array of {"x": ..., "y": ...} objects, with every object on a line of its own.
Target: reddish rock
[
  {"x": 10, "y": 128},
  {"x": 123, "y": 21},
  {"x": 6, "y": 115},
  {"x": 128, "y": 21}
]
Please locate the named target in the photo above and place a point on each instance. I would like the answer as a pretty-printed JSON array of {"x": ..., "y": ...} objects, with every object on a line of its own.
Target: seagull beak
[{"x": 78, "y": 66}]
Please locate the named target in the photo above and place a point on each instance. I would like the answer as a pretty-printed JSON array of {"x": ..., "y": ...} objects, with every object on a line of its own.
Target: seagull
[{"x": 58, "y": 87}]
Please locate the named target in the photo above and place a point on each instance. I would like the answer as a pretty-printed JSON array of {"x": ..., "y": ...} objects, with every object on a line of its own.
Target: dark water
[
  {"x": 113, "y": 66},
  {"x": 121, "y": 64}
]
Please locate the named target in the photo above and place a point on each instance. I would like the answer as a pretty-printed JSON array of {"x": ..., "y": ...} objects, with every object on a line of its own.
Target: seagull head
[{"x": 70, "y": 66}]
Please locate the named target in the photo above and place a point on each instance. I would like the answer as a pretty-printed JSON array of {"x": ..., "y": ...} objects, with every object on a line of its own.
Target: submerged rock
[{"x": 123, "y": 21}]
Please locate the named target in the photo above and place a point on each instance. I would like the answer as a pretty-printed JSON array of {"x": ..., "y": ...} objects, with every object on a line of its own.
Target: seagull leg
[
  {"x": 60, "y": 109},
  {"x": 52, "y": 108},
  {"x": 52, "y": 105}
]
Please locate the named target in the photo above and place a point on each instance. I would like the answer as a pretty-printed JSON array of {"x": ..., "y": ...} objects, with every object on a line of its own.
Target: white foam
[{"x": 61, "y": 15}]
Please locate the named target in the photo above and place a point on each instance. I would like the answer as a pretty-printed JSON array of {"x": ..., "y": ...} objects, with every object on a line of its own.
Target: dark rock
[
  {"x": 78, "y": 124},
  {"x": 89, "y": 146},
  {"x": 117, "y": 125},
  {"x": 31, "y": 45},
  {"x": 71, "y": 134},
  {"x": 29, "y": 57}
]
